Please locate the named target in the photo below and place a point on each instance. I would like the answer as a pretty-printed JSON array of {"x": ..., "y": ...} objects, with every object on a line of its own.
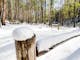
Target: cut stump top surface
[{"x": 22, "y": 33}]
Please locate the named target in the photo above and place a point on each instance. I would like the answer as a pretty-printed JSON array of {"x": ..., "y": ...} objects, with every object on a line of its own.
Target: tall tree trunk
[
  {"x": 51, "y": 3},
  {"x": 12, "y": 10},
  {"x": 45, "y": 12},
  {"x": 9, "y": 10},
  {"x": 74, "y": 14},
  {"x": 41, "y": 11},
  {"x": 4, "y": 12},
  {"x": 0, "y": 8},
  {"x": 15, "y": 16},
  {"x": 27, "y": 9},
  {"x": 17, "y": 9},
  {"x": 0, "y": 12}
]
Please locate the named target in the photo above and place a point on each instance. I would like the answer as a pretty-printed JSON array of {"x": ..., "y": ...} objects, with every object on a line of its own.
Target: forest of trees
[{"x": 39, "y": 11}]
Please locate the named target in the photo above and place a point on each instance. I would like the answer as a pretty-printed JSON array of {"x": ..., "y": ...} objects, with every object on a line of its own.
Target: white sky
[{"x": 58, "y": 4}]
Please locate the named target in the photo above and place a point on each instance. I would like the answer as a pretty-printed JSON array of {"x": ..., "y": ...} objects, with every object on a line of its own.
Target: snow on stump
[{"x": 25, "y": 44}]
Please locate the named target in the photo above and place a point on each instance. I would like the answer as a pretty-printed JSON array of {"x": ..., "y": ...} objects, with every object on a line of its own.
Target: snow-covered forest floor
[{"x": 44, "y": 33}]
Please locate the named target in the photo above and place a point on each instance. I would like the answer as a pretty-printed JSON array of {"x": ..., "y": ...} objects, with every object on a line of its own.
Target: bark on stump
[{"x": 26, "y": 49}]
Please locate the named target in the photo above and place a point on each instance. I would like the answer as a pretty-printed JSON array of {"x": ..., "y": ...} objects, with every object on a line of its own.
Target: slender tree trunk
[
  {"x": 0, "y": 8},
  {"x": 15, "y": 13},
  {"x": 41, "y": 11},
  {"x": 27, "y": 9},
  {"x": 12, "y": 11},
  {"x": 23, "y": 14},
  {"x": 51, "y": 3},
  {"x": 4, "y": 12},
  {"x": 0, "y": 12},
  {"x": 41, "y": 14},
  {"x": 74, "y": 14},
  {"x": 9, "y": 10},
  {"x": 45, "y": 11},
  {"x": 17, "y": 16}
]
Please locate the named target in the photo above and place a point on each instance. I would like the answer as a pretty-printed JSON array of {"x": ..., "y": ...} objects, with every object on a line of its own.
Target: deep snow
[
  {"x": 74, "y": 56},
  {"x": 64, "y": 51},
  {"x": 52, "y": 40},
  {"x": 22, "y": 33},
  {"x": 43, "y": 32}
]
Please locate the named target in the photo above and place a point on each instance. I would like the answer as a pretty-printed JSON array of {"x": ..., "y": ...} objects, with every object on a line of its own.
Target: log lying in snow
[
  {"x": 48, "y": 43},
  {"x": 25, "y": 44}
]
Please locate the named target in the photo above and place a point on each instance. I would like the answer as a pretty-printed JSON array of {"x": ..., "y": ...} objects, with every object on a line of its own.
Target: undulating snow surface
[
  {"x": 43, "y": 33},
  {"x": 75, "y": 55},
  {"x": 65, "y": 51},
  {"x": 52, "y": 40}
]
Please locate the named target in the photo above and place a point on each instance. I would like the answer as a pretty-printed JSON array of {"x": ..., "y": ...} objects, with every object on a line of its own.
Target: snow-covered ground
[
  {"x": 54, "y": 39},
  {"x": 66, "y": 51},
  {"x": 43, "y": 33},
  {"x": 74, "y": 56}
]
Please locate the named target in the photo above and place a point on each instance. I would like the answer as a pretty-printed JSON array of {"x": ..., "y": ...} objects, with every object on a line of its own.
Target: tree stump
[{"x": 25, "y": 49}]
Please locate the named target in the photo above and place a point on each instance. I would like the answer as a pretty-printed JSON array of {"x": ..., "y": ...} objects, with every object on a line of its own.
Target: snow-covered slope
[
  {"x": 43, "y": 32},
  {"x": 52, "y": 40},
  {"x": 64, "y": 51},
  {"x": 74, "y": 56}
]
